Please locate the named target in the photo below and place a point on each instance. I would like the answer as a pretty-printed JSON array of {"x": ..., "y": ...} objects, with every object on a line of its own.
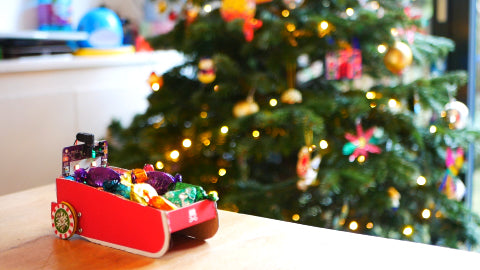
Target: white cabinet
[{"x": 45, "y": 101}]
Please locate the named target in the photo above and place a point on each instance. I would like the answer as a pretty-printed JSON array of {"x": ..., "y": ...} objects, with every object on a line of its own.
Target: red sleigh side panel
[
  {"x": 199, "y": 220},
  {"x": 116, "y": 222}
]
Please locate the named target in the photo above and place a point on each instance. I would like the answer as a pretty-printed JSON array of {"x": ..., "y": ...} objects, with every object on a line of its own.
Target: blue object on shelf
[{"x": 104, "y": 29}]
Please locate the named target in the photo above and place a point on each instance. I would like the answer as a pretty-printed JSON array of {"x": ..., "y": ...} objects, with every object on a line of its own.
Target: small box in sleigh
[{"x": 132, "y": 210}]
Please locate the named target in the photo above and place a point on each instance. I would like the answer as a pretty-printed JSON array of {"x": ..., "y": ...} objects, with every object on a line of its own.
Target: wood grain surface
[{"x": 27, "y": 241}]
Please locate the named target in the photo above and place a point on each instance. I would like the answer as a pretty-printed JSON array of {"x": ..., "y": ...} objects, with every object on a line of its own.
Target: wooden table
[{"x": 27, "y": 241}]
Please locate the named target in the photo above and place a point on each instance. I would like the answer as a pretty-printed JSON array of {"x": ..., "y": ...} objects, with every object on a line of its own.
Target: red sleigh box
[{"x": 111, "y": 220}]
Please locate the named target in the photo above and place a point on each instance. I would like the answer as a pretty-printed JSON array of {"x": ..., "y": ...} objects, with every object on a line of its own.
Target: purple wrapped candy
[
  {"x": 98, "y": 175},
  {"x": 161, "y": 181},
  {"x": 81, "y": 175}
]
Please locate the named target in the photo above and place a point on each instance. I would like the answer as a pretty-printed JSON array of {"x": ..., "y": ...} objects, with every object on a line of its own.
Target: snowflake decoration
[
  {"x": 361, "y": 144},
  {"x": 61, "y": 221}
]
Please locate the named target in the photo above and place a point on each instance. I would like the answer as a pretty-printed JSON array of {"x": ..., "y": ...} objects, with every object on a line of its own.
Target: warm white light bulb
[
  {"x": 408, "y": 230},
  {"x": 353, "y": 226},
  {"x": 159, "y": 165},
  {"x": 349, "y": 11},
  {"x": 370, "y": 95},
  {"x": 174, "y": 154},
  {"x": 421, "y": 180},
  {"x": 187, "y": 143},
  {"x": 207, "y": 8},
  {"x": 224, "y": 130},
  {"x": 426, "y": 213},
  {"x": 323, "y": 144},
  {"x": 324, "y": 25},
  {"x": 273, "y": 102},
  {"x": 381, "y": 48},
  {"x": 393, "y": 103},
  {"x": 155, "y": 86}
]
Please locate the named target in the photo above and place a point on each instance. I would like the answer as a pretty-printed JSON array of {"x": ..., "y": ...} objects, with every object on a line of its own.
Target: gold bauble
[
  {"x": 206, "y": 78},
  {"x": 245, "y": 107},
  {"x": 291, "y": 96},
  {"x": 206, "y": 70},
  {"x": 398, "y": 57}
]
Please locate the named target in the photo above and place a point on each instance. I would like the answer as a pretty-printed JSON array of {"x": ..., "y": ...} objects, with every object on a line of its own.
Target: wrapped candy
[
  {"x": 126, "y": 179},
  {"x": 162, "y": 181},
  {"x": 161, "y": 203},
  {"x": 81, "y": 175},
  {"x": 96, "y": 176},
  {"x": 182, "y": 197},
  {"x": 139, "y": 175},
  {"x": 186, "y": 194},
  {"x": 144, "y": 186},
  {"x": 118, "y": 188},
  {"x": 149, "y": 168},
  {"x": 142, "y": 193}
]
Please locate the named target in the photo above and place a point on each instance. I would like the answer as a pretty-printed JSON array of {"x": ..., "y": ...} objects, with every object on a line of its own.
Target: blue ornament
[{"x": 104, "y": 29}]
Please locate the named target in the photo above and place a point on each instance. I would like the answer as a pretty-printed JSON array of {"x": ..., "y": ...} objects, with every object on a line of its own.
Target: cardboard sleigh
[{"x": 107, "y": 219}]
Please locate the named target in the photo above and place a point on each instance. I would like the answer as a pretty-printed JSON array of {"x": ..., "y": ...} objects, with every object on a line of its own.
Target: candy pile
[{"x": 145, "y": 186}]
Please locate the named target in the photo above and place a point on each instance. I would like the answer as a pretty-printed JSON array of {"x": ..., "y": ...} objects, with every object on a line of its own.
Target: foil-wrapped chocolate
[
  {"x": 161, "y": 181},
  {"x": 139, "y": 176},
  {"x": 142, "y": 193},
  {"x": 182, "y": 197},
  {"x": 96, "y": 176},
  {"x": 185, "y": 194},
  {"x": 80, "y": 175},
  {"x": 115, "y": 187},
  {"x": 161, "y": 203},
  {"x": 149, "y": 168}
]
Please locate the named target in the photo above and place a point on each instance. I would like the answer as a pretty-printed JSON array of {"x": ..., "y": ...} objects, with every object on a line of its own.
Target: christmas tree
[{"x": 326, "y": 113}]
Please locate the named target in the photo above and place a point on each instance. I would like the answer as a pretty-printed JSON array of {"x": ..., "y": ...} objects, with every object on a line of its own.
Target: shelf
[
  {"x": 45, "y": 35},
  {"x": 168, "y": 58}
]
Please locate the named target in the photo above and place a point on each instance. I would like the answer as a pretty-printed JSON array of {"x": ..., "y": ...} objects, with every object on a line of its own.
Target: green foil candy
[{"x": 185, "y": 194}]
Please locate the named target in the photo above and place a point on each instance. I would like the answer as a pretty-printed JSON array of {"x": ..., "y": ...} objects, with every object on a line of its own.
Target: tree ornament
[
  {"x": 237, "y": 9},
  {"x": 191, "y": 12},
  {"x": 456, "y": 114},
  {"x": 291, "y": 96},
  {"x": 245, "y": 107},
  {"x": 242, "y": 9},
  {"x": 451, "y": 186},
  {"x": 394, "y": 197},
  {"x": 398, "y": 57},
  {"x": 303, "y": 161},
  {"x": 343, "y": 64},
  {"x": 361, "y": 144},
  {"x": 155, "y": 81},
  {"x": 293, "y": 4},
  {"x": 307, "y": 168},
  {"x": 206, "y": 70}
]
